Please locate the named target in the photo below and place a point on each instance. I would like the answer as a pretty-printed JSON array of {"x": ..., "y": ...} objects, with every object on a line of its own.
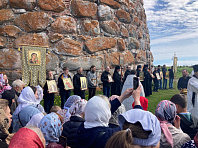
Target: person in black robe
[
  {"x": 156, "y": 84},
  {"x": 147, "y": 81},
  {"x": 116, "y": 85},
  {"x": 77, "y": 84},
  {"x": 65, "y": 94},
  {"x": 139, "y": 67},
  {"x": 128, "y": 72}
]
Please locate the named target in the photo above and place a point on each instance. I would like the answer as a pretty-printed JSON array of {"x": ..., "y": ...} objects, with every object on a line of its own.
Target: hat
[
  {"x": 148, "y": 121},
  {"x": 195, "y": 68},
  {"x": 139, "y": 66},
  {"x": 145, "y": 66},
  {"x": 158, "y": 66}
]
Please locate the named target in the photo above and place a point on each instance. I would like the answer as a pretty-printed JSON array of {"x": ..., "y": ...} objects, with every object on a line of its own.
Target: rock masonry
[{"x": 78, "y": 33}]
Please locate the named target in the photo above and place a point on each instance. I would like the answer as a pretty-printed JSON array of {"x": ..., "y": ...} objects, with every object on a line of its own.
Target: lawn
[{"x": 153, "y": 100}]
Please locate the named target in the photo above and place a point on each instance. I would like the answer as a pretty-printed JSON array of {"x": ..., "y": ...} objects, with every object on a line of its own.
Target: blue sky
[{"x": 173, "y": 28}]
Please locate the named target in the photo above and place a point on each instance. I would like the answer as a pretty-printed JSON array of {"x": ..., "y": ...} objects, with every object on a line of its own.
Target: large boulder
[
  {"x": 85, "y": 62},
  {"x": 52, "y": 61},
  {"x": 23, "y": 4},
  {"x": 3, "y": 3},
  {"x": 41, "y": 39},
  {"x": 33, "y": 21},
  {"x": 64, "y": 25},
  {"x": 100, "y": 43},
  {"x": 90, "y": 27},
  {"x": 3, "y": 42},
  {"x": 10, "y": 59},
  {"x": 111, "y": 3},
  {"x": 123, "y": 16},
  {"x": 121, "y": 45},
  {"x": 105, "y": 13},
  {"x": 133, "y": 43},
  {"x": 55, "y": 37},
  {"x": 81, "y": 8},
  {"x": 9, "y": 30},
  {"x": 68, "y": 47},
  {"x": 6, "y": 15},
  {"x": 110, "y": 27},
  {"x": 52, "y": 5}
]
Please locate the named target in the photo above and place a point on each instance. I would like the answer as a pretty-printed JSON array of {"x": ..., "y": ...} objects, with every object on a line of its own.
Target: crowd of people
[{"x": 104, "y": 121}]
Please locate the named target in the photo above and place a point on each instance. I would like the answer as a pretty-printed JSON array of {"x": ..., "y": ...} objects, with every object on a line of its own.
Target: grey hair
[
  {"x": 185, "y": 70},
  {"x": 18, "y": 83},
  {"x": 78, "y": 68}
]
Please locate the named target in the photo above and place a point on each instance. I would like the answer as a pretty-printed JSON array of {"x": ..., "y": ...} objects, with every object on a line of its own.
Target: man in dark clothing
[
  {"x": 77, "y": 84},
  {"x": 92, "y": 81},
  {"x": 159, "y": 81},
  {"x": 65, "y": 94},
  {"x": 128, "y": 71},
  {"x": 116, "y": 85},
  {"x": 147, "y": 81},
  {"x": 171, "y": 77},
  {"x": 155, "y": 88},
  {"x": 183, "y": 81},
  {"x": 138, "y": 70},
  {"x": 48, "y": 97},
  {"x": 187, "y": 121},
  {"x": 164, "y": 77},
  {"x": 106, "y": 82}
]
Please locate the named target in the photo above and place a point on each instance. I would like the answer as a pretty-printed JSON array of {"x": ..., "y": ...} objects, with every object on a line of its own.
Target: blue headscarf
[{"x": 51, "y": 128}]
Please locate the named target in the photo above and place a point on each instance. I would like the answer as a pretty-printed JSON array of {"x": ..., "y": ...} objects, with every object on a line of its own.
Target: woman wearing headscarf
[
  {"x": 65, "y": 111},
  {"x": 77, "y": 118},
  {"x": 116, "y": 85},
  {"x": 5, "y": 122},
  {"x": 95, "y": 132},
  {"x": 51, "y": 127},
  {"x": 144, "y": 127},
  {"x": 26, "y": 113},
  {"x": 28, "y": 137},
  {"x": 172, "y": 136}
]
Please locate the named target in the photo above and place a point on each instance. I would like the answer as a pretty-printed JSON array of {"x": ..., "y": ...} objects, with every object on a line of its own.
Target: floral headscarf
[
  {"x": 78, "y": 107},
  {"x": 65, "y": 112},
  {"x": 70, "y": 101},
  {"x": 51, "y": 127},
  {"x": 166, "y": 113}
]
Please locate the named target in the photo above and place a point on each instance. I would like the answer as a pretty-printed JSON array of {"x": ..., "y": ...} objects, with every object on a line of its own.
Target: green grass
[{"x": 153, "y": 100}]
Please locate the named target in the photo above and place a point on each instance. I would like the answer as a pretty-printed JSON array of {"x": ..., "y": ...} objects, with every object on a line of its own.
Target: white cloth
[
  {"x": 35, "y": 120},
  {"x": 192, "y": 73},
  {"x": 192, "y": 87},
  {"x": 97, "y": 113},
  {"x": 129, "y": 84},
  {"x": 26, "y": 98},
  {"x": 40, "y": 94}
]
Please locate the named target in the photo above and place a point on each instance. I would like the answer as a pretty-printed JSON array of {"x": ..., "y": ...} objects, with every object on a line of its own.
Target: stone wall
[{"x": 78, "y": 33}]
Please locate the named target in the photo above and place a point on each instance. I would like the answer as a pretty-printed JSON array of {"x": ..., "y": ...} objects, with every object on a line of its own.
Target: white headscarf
[
  {"x": 27, "y": 97},
  {"x": 40, "y": 94},
  {"x": 78, "y": 107},
  {"x": 97, "y": 113}
]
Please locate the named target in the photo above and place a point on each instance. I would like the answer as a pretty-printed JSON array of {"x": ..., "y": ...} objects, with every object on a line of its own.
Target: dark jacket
[
  {"x": 128, "y": 72},
  {"x": 70, "y": 129},
  {"x": 45, "y": 92},
  {"x": 77, "y": 85},
  {"x": 116, "y": 85},
  {"x": 187, "y": 124},
  {"x": 154, "y": 73},
  {"x": 164, "y": 72},
  {"x": 61, "y": 85},
  {"x": 183, "y": 82},
  {"x": 104, "y": 79},
  {"x": 171, "y": 74}
]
